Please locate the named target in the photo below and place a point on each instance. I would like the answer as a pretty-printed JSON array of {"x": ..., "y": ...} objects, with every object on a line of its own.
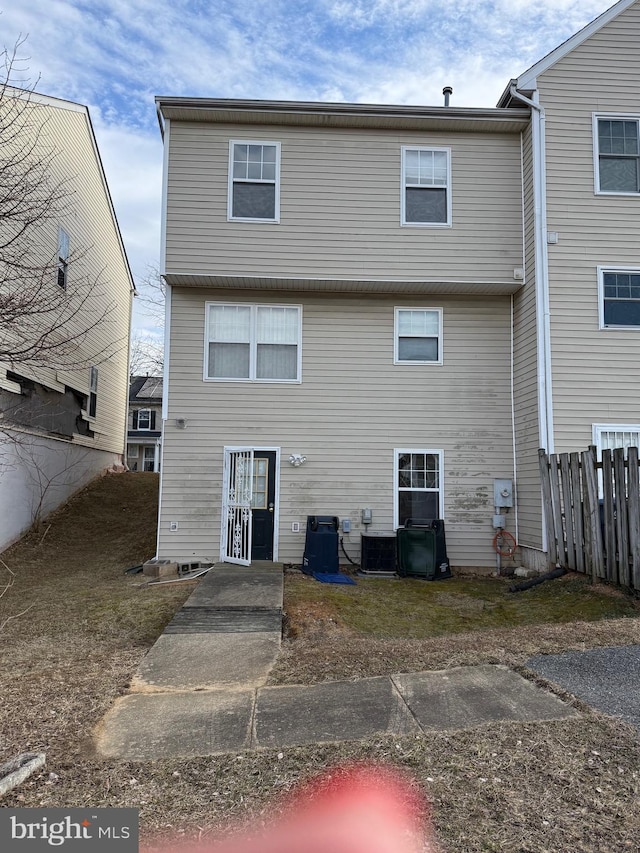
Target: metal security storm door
[{"x": 236, "y": 508}]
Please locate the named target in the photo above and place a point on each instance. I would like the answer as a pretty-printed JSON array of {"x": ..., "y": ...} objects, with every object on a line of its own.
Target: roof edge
[{"x": 527, "y": 80}]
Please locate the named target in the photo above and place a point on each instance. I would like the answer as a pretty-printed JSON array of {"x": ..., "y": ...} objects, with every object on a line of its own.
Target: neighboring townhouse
[
  {"x": 382, "y": 308},
  {"x": 63, "y": 407},
  {"x": 144, "y": 433},
  {"x": 577, "y": 320}
]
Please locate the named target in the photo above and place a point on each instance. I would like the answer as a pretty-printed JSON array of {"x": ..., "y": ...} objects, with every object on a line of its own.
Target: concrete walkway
[{"x": 200, "y": 689}]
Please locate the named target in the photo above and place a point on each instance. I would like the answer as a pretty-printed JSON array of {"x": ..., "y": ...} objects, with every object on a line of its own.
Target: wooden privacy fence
[{"x": 596, "y": 535}]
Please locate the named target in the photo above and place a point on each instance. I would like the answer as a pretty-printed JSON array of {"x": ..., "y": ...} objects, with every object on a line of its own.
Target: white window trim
[
  {"x": 598, "y": 429},
  {"x": 133, "y": 451},
  {"x": 403, "y": 197},
  {"x": 396, "y": 311},
  {"x": 230, "y": 217},
  {"x": 147, "y": 428},
  {"x": 601, "y": 271},
  {"x": 252, "y": 344},
  {"x": 596, "y": 150},
  {"x": 396, "y": 453}
]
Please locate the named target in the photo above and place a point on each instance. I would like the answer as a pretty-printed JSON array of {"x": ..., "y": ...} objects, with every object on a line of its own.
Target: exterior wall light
[
  {"x": 297, "y": 459},
  {"x": 181, "y": 423}
]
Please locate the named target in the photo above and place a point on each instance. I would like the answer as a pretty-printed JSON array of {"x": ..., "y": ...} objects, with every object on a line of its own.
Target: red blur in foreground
[{"x": 361, "y": 809}]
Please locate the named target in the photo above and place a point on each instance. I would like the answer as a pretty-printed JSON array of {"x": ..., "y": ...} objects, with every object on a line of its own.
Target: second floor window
[
  {"x": 619, "y": 298},
  {"x": 144, "y": 419},
  {"x": 426, "y": 186},
  {"x": 255, "y": 342},
  {"x": 254, "y": 176},
  {"x": 63, "y": 257},
  {"x": 618, "y": 155},
  {"x": 93, "y": 391},
  {"x": 418, "y": 336}
]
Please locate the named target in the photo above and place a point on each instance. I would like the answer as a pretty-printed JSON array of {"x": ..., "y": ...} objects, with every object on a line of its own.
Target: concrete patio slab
[
  {"x": 237, "y": 589},
  {"x": 200, "y": 661},
  {"x": 145, "y": 727},
  {"x": 468, "y": 696},
  {"x": 334, "y": 711}
]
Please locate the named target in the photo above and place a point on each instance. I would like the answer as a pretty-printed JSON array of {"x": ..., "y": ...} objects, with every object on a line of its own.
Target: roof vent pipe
[{"x": 446, "y": 92}]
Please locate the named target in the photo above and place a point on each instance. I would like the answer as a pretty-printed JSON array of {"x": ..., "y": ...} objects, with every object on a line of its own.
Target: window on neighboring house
[
  {"x": 619, "y": 298},
  {"x": 63, "y": 257},
  {"x": 426, "y": 186},
  {"x": 253, "y": 342},
  {"x": 418, "y": 336},
  {"x": 418, "y": 476},
  {"x": 133, "y": 451},
  {"x": 254, "y": 179},
  {"x": 618, "y": 155},
  {"x": 93, "y": 391},
  {"x": 144, "y": 419}
]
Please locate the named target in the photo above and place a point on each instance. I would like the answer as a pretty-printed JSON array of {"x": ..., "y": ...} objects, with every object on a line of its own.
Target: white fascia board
[{"x": 527, "y": 80}]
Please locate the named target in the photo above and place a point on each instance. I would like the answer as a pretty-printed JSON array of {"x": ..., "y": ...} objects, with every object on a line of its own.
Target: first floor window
[
  {"x": 618, "y": 155},
  {"x": 620, "y": 298},
  {"x": 63, "y": 257},
  {"x": 611, "y": 436},
  {"x": 418, "y": 485},
  {"x": 426, "y": 186},
  {"x": 254, "y": 176},
  {"x": 253, "y": 342},
  {"x": 418, "y": 335},
  {"x": 93, "y": 391}
]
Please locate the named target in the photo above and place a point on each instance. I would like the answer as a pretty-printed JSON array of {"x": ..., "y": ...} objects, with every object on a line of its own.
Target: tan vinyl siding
[
  {"x": 340, "y": 207},
  {"x": 595, "y": 379},
  {"x": 526, "y": 374},
  {"x": 96, "y": 256},
  {"x": 353, "y": 407}
]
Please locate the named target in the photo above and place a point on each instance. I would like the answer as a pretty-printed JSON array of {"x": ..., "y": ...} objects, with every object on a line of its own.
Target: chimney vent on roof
[{"x": 446, "y": 92}]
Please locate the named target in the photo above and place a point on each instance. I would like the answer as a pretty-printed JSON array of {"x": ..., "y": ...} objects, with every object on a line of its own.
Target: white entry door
[{"x": 236, "y": 506}]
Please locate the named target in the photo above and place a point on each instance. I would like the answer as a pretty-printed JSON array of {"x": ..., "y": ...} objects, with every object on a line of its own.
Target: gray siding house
[{"x": 386, "y": 308}]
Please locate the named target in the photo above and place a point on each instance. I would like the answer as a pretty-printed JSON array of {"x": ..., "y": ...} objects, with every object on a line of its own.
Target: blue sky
[{"x": 116, "y": 55}]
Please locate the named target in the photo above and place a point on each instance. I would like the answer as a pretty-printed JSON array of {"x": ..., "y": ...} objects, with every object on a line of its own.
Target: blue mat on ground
[{"x": 337, "y": 578}]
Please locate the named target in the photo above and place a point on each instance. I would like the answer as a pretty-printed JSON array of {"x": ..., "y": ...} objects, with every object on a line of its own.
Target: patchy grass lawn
[
  {"x": 415, "y": 609},
  {"x": 557, "y": 786}
]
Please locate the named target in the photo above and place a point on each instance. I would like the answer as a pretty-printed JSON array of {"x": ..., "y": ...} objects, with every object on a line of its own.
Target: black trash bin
[{"x": 321, "y": 545}]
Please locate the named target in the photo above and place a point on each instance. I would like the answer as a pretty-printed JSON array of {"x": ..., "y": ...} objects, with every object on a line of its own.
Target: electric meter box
[{"x": 503, "y": 493}]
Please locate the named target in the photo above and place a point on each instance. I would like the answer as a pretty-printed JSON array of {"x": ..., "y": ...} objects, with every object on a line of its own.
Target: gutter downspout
[{"x": 543, "y": 313}]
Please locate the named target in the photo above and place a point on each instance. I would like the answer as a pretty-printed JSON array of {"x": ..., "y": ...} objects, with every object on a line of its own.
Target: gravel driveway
[{"x": 608, "y": 679}]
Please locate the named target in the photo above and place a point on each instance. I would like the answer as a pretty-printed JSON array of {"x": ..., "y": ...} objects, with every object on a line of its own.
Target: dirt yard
[{"x": 85, "y": 625}]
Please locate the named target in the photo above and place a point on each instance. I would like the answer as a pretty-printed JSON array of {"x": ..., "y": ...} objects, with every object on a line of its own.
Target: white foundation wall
[{"x": 38, "y": 474}]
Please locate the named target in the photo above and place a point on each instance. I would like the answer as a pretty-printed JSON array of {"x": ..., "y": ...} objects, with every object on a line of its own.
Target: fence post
[
  {"x": 578, "y": 535},
  {"x": 634, "y": 514},
  {"x": 592, "y": 512},
  {"x": 552, "y": 550},
  {"x": 567, "y": 502},
  {"x": 609, "y": 517},
  {"x": 622, "y": 526}
]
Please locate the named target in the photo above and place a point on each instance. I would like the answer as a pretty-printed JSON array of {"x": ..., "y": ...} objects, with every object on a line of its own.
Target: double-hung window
[
  {"x": 617, "y": 145},
  {"x": 619, "y": 298},
  {"x": 418, "y": 336},
  {"x": 254, "y": 181},
  {"x": 144, "y": 419},
  {"x": 426, "y": 186},
  {"x": 253, "y": 342},
  {"x": 93, "y": 391},
  {"x": 418, "y": 485}
]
